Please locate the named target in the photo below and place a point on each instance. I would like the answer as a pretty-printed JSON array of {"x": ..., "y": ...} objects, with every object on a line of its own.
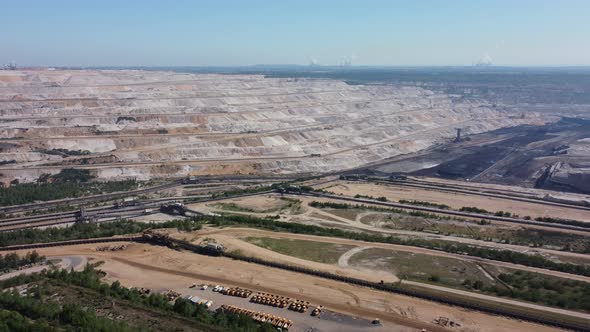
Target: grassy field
[
  {"x": 419, "y": 267},
  {"x": 281, "y": 205},
  {"x": 309, "y": 250},
  {"x": 471, "y": 276}
]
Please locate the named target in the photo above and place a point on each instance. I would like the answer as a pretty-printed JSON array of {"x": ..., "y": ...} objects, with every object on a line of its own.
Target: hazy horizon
[{"x": 230, "y": 33}]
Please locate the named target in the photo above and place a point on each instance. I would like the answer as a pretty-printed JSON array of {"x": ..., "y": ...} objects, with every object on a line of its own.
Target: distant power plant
[{"x": 10, "y": 66}]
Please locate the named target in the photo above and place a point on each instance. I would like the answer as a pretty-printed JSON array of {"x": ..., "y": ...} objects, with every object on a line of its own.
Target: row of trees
[
  {"x": 424, "y": 203},
  {"x": 380, "y": 198},
  {"x": 13, "y": 261},
  {"x": 31, "y": 192},
  {"x": 88, "y": 231}
]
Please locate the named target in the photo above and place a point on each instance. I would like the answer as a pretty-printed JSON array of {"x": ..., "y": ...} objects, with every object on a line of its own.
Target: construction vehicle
[
  {"x": 317, "y": 311},
  {"x": 270, "y": 300},
  {"x": 278, "y": 322},
  {"x": 238, "y": 292},
  {"x": 299, "y": 306}
]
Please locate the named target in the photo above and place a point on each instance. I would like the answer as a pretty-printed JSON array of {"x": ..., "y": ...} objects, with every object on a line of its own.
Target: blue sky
[{"x": 226, "y": 32}]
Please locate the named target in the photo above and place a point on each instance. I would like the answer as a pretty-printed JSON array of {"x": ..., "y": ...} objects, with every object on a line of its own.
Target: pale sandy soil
[
  {"x": 156, "y": 218},
  {"x": 162, "y": 268},
  {"x": 455, "y": 200}
]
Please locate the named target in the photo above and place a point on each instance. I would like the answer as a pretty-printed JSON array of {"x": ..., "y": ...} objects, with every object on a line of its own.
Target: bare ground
[{"x": 161, "y": 268}]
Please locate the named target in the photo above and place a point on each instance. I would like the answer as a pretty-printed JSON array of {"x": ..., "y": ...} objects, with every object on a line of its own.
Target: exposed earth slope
[{"x": 143, "y": 124}]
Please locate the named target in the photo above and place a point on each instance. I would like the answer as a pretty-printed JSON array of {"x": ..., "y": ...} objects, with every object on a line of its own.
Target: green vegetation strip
[
  {"x": 12, "y": 261},
  {"x": 31, "y": 192},
  {"x": 88, "y": 231}
]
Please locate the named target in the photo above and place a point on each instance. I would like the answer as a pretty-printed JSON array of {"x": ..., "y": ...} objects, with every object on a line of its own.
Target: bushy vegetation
[
  {"x": 13, "y": 321},
  {"x": 88, "y": 231},
  {"x": 380, "y": 198},
  {"x": 473, "y": 209},
  {"x": 67, "y": 186},
  {"x": 21, "y": 313},
  {"x": 13, "y": 261},
  {"x": 71, "y": 175},
  {"x": 424, "y": 203},
  {"x": 65, "y": 152},
  {"x": 564, "y": 221},
  {"x": 73, "y": 317},
  {"x": 537, "y": 288},
  {"x": 125, "y": 118},
  {"x": 234, "y": 207}
]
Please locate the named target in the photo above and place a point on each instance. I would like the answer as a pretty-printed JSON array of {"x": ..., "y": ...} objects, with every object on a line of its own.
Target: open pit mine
[{"x": 122, "y": 124}]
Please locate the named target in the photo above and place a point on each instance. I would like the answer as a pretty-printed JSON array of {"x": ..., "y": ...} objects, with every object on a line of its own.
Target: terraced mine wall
[{"x": 122, "y": 124}]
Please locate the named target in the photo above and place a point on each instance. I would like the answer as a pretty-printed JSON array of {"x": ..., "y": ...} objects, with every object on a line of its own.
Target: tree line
[
  {"x": 13, "y": 261},
  {"x": 31, "y": 192},
  {"x": 88, "y": 231}
]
